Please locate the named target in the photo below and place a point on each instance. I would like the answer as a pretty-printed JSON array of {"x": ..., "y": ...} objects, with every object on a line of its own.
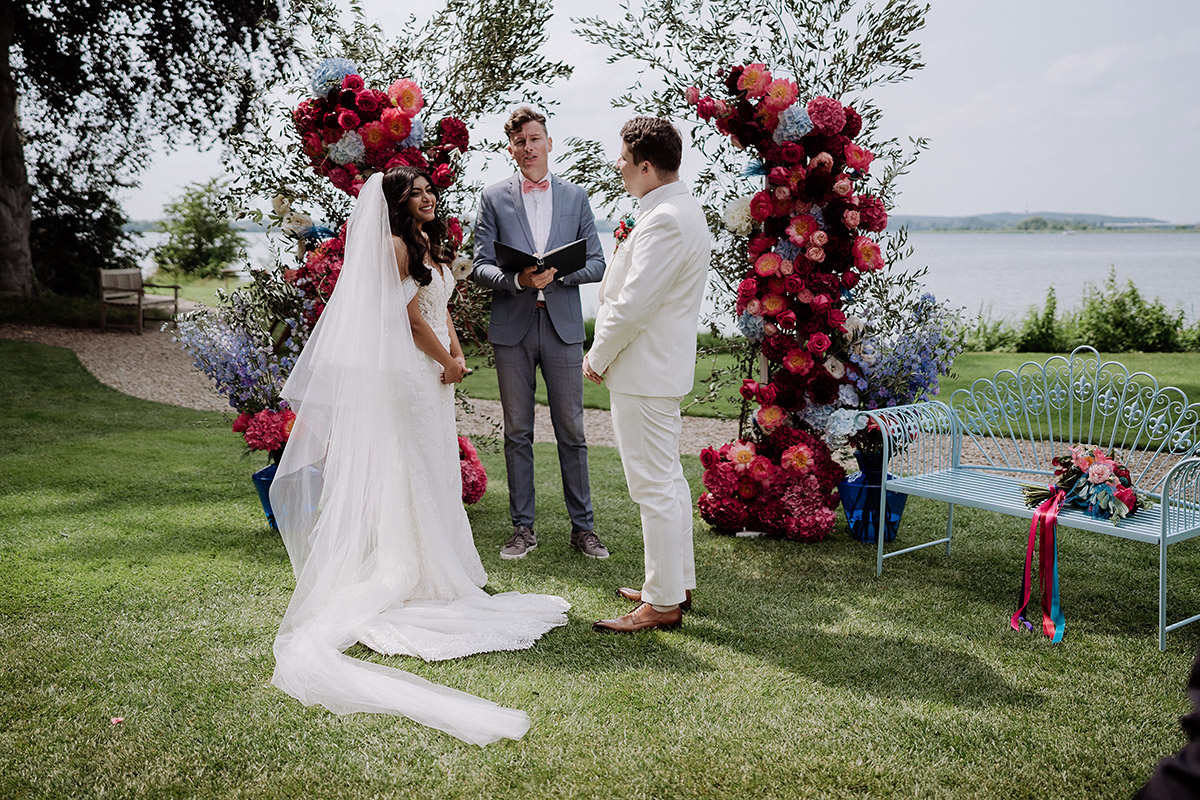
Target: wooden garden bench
[
  {"x": 124, "y": 288},
  {"x": 1001, "y": 433}
]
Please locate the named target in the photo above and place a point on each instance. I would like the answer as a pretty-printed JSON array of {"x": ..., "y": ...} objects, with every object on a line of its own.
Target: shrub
[{"x": 201, "y": 240}]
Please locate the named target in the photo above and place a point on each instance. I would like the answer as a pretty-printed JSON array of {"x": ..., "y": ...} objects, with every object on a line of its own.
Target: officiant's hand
[{"x": 530, "y": 278}]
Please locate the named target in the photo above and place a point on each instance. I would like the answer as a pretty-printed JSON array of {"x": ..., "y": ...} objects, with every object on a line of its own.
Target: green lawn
[
  {"x": 481, "y": 385},
  {"x": 138, "y": 580}
]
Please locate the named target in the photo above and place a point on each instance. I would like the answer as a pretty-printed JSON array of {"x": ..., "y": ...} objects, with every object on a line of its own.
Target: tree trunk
[{"x": 16, "y": 195}]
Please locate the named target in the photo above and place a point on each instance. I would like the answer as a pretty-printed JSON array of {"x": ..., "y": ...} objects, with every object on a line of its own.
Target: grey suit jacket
[{"x": 502, "y": 216}]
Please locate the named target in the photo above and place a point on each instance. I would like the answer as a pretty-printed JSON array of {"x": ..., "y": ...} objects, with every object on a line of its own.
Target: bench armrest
[
  {"x": 174, "y": 286},
  {"x": 1180, "y": 497},
  {"x": 919, "y": 438}
]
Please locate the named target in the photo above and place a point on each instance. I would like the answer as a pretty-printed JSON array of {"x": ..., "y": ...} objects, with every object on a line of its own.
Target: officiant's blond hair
[{"x": 519, "y": 117}]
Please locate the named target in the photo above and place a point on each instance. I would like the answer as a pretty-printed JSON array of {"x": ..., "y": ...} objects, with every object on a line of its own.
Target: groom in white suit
[{"x": 644, "y": 350}]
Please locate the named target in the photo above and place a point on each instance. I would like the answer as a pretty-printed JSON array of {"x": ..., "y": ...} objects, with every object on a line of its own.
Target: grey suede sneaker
[
  {"x": 588, "y": 543},
  {"x": 520, "y": 543}
]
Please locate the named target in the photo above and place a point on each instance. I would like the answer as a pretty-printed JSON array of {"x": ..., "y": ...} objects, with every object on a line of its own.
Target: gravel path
[{"x": 153, "y": 367}]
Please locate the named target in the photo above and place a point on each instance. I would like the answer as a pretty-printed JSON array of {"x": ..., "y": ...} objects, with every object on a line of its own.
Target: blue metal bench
[{"x": 1002, "y": 432}]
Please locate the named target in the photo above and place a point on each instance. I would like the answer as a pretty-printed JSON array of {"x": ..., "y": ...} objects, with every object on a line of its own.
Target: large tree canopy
[{"x": 118, "y": 72}]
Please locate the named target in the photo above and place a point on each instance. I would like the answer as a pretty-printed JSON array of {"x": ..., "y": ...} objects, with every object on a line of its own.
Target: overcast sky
[{"x": 1029, "y": 105}]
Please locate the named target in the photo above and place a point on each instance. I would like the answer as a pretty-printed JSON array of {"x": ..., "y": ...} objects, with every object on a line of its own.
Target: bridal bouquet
[{"x": 1092, "y": 481}]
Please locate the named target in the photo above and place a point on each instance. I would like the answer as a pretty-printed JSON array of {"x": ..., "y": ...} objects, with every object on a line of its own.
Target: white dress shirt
[{"x": 539, "y": 208}]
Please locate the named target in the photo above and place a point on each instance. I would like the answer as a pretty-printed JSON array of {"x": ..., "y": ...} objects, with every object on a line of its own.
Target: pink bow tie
[{"x": 528, "y": 186}]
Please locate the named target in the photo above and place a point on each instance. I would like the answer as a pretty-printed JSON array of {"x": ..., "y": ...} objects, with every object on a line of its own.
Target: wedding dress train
[{"x": 368, "y": 498}]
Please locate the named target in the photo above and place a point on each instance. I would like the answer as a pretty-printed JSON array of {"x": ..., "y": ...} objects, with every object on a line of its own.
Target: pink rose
[
  {"x": 692, "y": 95},
  {"x": 820, "y": 239},
  {"x": 815, "y": 254},
  {"x": 787, "y": 267},
  {"x": 366, "y": 101},
  {"x": 749, "y": 388},
  {"x": 821, "y": 161},
  {"x": 353, "y": 82},
  {"x": 1100, "y": 472},
  {"x": 782, "y": 193},
  {"x": 851, "y": 218},
  {"x": 842, "y": 186},
  {"x": 779, "y": 176},
  {"x": 818, "y": 343}
]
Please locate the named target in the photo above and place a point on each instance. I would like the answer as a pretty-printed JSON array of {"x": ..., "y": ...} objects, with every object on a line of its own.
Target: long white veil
[{"x": 356, "y": 499}]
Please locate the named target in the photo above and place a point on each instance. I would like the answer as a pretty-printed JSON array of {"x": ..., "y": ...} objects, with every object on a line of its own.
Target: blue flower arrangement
[{"x": 329, "y": 74}]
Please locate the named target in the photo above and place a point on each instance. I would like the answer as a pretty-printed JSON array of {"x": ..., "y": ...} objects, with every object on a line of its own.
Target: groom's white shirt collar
[{"x": 655, "y": 196}]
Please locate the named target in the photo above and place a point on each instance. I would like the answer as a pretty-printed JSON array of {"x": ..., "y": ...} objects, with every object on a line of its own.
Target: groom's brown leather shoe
[
  {"x": 635, "y": 595},
  {"x": 642, "y": 618}
]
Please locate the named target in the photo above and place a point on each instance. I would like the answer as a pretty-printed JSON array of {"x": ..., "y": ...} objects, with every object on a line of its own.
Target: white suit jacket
[{"x": 645, "y": 342}]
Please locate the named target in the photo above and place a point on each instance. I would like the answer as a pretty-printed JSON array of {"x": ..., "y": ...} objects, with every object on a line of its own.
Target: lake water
[{"x": 1005, "y": 273}]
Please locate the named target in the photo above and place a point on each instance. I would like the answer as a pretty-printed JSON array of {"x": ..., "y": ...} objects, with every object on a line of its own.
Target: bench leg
[
  {"x": 949, "y": 527},
  {"x": 1162, "y": 592}
]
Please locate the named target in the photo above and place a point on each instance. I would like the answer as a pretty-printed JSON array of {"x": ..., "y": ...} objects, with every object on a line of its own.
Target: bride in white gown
[{"x": 368, "y": 495}]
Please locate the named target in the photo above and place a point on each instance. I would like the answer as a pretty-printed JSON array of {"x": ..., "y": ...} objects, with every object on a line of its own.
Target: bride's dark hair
[{"x": 397, "y": 183}]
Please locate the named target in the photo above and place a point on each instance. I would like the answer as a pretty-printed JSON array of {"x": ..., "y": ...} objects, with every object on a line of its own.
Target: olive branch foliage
[{"x": 838, "y": 48}]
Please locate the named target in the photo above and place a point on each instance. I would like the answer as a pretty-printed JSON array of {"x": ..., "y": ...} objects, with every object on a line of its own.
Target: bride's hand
[{"x": 454, "y": 372}]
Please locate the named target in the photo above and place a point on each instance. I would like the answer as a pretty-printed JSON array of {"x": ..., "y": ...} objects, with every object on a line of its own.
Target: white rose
[
  {"x": 295, "y": 223},
  {"x": 737, "y": 217},
  {"x": 835, "y": 367},
  {"x": 461, "y": 267}
]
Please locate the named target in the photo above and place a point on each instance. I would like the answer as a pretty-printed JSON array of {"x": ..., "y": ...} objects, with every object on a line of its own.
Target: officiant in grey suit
[{"x": 537, "y": 322}]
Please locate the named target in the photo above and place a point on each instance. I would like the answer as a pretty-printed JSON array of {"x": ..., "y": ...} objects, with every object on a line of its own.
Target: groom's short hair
[
  {"x": 518, "y": 118},
  {"x": 654, "y": 139}
]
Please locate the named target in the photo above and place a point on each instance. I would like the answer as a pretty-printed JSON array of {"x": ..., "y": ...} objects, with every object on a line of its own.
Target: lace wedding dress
[{"x": 368, "y": 498}]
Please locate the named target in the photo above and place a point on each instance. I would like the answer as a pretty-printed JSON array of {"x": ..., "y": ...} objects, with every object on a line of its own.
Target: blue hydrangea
[
  {"x": 416, "y": 136},
  {"x": 787, "y": 250},
  {"x": 329, "y": 74},
  {"x": 794, "y": 124},
  {"x": 348, "y": 148},
  {"x": 751, "y": 326},
  {"x": 819, "y": 215}
]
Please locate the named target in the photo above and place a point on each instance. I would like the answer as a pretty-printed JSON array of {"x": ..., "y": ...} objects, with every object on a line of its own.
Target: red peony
[
  {"x": 453, "y": 131},
  {"x": 872, "y": 213},
  {"x": 243, "y": 419},
  {"x": 854, "y": 123}
]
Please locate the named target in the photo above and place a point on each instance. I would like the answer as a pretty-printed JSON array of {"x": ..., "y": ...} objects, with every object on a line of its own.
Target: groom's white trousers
[{"x": 647, "y": 431}]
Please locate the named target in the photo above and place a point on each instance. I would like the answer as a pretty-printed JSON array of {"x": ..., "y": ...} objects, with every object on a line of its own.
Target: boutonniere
[{"x": 624, "y": 228}]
